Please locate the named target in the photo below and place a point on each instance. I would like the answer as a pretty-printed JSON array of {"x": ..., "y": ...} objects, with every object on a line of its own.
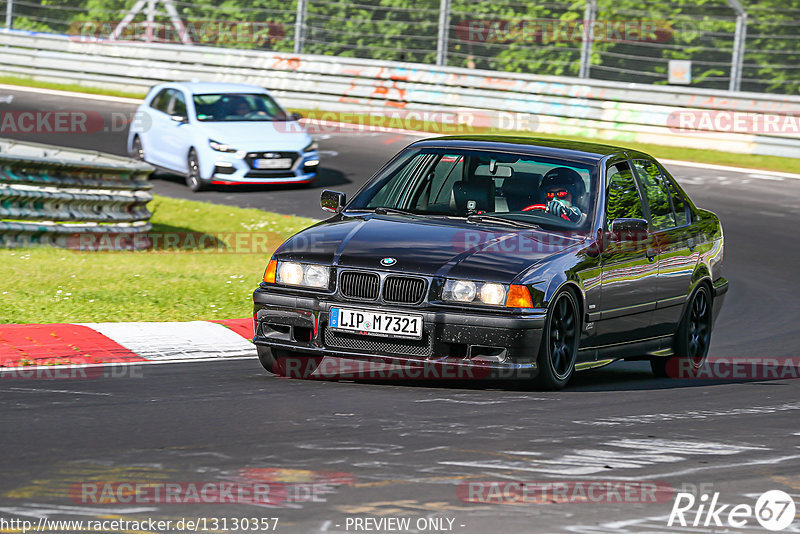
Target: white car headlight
[
  {"x": 478, "y": 292},
  {"x": 316, "y": 275},
  {"x": 302, "y": 274},
  {"x": 459, "y": 290},
  {"x": 311, "y": 147},
  {"x": 220, "y": 147},
  {"x": 494, "y": 294}
]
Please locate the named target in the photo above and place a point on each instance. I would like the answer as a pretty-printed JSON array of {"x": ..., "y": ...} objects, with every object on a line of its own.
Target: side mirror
[
  {"x": 295, "y": 116},
  {"x": 179, "y": 119},
  {"x": 629, "y": 229},
  {"x": 332, "y": 201}
]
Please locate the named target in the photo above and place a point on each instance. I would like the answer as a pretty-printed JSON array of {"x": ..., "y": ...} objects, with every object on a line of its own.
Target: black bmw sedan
[{"x": 501, "y": 257}]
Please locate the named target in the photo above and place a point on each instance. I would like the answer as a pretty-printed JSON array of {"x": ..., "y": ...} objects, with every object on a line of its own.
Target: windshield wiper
[
  {"x": 382, "y": 210},
  {"x": 501, "y": 220}
]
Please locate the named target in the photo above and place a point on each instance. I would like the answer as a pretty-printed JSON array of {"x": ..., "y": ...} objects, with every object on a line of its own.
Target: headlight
[
  {"x": 311, "y": 147},
  {"x": 302, "y": 274},
  {"x": 478, "y": 292},
  {"x": 494, "y": 294},
  {"x": 220, "y": 147},
  {"x": 459, "y": 291}
]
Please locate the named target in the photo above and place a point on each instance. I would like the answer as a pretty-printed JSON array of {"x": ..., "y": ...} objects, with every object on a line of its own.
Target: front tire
[
  {"x": 559, "y": 346},
  {"x": 137, "y": 151},
  {"x": 692, "y": 340},
  {"x": 193, "y": 180}
]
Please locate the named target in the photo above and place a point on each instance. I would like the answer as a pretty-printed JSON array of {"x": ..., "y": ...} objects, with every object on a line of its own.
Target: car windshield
[
  {"x": 484, "y": 186},
  {"x": 232, "y": 107}
]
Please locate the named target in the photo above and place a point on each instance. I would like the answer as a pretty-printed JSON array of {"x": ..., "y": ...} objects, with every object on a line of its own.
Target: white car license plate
[
  {"x": 376, "y": 323},
  {"x": 278, "y": 163}
]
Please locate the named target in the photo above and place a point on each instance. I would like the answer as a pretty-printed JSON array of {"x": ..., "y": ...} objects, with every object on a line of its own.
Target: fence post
[
  {"x": 299, "y": 26},
  {"x": 444, "y": 32},
  {"x": 739, "y": 38},
  {"x": 9, "y": 14},
  {"x": 588, "y": 38}
]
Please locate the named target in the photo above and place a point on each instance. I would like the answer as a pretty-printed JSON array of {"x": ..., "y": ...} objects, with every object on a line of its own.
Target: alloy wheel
[{"x": 563, "y": 332}]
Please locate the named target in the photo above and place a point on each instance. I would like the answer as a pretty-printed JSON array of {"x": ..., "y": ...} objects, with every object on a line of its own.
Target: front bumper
[
  {"x": 504, "y": 344},
  {"x": 230, "y": 169}
]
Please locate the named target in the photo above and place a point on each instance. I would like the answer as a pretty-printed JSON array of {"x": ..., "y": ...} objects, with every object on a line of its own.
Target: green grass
[
  {"x": 74, "y": 87},
  {"x": 48, "y": 285}
]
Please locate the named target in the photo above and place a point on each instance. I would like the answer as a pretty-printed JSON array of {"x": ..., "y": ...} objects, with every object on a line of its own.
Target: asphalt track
[{"x": 378, "y": 450}]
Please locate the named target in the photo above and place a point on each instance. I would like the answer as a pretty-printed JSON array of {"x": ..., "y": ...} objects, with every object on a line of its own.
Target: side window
[
  {"x": 623, "y": 200},
  {"x": 657, "y": 194},
  {"x": 161, "y": 100},
  {"x": 447, "y": 171},
  {"x": 682, "y": 213},
  {"x": 393, "y": 188},
  {"x": 178, "y": 106}
]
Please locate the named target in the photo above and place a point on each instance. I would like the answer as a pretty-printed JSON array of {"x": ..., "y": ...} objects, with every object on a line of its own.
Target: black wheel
[
  {"x": 559, "y": 346},
  {"x": 193, "y": 179},
  {"x": 137, "y": 151},
  {"x": 691, "y": 341}
]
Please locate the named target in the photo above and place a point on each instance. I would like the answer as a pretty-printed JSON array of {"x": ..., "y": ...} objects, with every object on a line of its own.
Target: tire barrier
[{"x": 54, "y": 196}]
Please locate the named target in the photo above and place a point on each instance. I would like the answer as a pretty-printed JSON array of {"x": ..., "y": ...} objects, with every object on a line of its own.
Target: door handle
[{"x": 651, "y": 254}]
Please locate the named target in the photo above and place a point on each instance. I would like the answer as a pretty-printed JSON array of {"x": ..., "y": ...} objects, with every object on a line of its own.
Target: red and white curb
[{"x": 105, "y": 343}]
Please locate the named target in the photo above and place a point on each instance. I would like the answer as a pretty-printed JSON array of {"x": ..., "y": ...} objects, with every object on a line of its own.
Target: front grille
[
  {"x": 251, "y": 157},
  {"x": 403, "y": 290},
  {"x": 269, "y": 174},
  {"x": 355, "y": 285},
  {"x": 377, "y": 345}
]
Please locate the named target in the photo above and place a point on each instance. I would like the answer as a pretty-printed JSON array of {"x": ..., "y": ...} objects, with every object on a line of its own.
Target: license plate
[
  {"x": 376, "y": 323},
  {"x": 278, "y": 163}
]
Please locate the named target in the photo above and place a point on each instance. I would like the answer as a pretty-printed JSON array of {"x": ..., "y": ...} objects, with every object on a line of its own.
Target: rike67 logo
[{"x": 774, "y": 510}]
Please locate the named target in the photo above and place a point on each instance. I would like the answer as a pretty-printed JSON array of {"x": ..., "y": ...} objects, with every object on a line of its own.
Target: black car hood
[{"x": 428, "y": 246}]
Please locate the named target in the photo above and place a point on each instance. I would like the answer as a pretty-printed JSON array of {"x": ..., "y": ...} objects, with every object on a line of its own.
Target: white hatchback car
[{"x": 222, "y": 133}]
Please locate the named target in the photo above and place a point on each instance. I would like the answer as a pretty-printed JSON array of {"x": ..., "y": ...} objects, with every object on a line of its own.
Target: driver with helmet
[{"x": 563, "y": 188}]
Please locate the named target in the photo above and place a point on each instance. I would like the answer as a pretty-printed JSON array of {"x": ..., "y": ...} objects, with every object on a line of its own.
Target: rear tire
[
  {"x": 559, "y": 346},
  {"x": 193, "y": 180},
  {"x": 691, "y": 341}
]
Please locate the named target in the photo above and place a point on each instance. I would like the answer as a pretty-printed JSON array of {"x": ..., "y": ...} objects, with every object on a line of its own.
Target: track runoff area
[{"x": 221, "y": 445}]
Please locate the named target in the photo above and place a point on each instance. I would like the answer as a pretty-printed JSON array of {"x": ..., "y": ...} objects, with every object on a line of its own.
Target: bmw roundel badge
[{"x": 388, "y": 262}]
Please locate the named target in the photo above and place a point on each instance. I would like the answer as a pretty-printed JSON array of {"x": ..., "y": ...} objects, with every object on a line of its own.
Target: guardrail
[
  {"x": 51, "y": 196},
  {"x": 750, "y": 123}
]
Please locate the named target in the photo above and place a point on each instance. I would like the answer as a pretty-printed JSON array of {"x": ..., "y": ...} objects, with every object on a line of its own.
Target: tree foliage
[{"x": 509, "y": 35}]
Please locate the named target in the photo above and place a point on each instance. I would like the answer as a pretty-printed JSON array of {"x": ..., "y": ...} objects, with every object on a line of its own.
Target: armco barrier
[
  {"x": 570, "y": 106},
  {"x": 51, "y": 195}
]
